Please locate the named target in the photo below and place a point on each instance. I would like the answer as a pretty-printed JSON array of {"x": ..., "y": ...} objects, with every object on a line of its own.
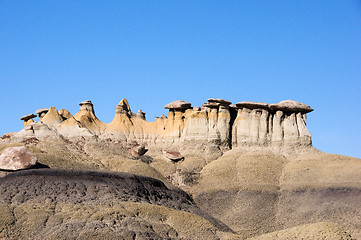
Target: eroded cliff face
[{"x": 218, "y": 123}]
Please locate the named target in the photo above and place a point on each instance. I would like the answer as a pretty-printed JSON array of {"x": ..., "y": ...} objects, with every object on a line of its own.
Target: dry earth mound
[{"x": 80, "y": 204}]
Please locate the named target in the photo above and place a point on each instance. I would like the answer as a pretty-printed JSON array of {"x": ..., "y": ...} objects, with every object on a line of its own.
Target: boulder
[
  {"x": 291, "y": 106},
  {"x": 196, "y": 108},
  {"x": 17, "y": 158},
  {"x": 219, "y": 100},
  {"x": 138, "y": 150},
  {"x": 252, "y": 105},
  {"x": 28, "y": 117},
  {"x": 172, "y": 155},
  {"x": 178, "y": 105}
]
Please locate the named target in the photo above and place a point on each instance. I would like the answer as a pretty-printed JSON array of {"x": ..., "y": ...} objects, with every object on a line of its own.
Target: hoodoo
[{"x": 218, "y": 123}]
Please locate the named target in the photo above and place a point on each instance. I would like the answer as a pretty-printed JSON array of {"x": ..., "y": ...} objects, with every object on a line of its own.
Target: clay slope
[
  {"x": 259, "y": 192},
  {"x": 53, "y": 204}
]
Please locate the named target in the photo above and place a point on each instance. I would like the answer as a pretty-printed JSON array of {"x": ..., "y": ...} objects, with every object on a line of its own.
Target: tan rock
[
  {"x": 178, "y": 105},
  {"x": 123, "y": 106},
  {"x": 65, "y": 114},
  {"x": 291, "y": 106},
  {"x": 41, "y": 112},
  {"x": 173, "y": 155},
  {"x": 219, "y": 100},
  {"x": 27, "y": 117},
  {"x": 211, "y": 105},
  {"x": 252, "y": 105},
  {"x": 16, "y": 158},
  {"x": 52, "y": 118},
  {"x": 138, "y": 150},
  {"x": 140, "y": 114}
]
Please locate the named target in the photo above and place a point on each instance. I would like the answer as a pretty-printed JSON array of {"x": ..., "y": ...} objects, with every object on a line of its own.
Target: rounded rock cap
[
  {"x": 252, "y": 105},
  {"x": 219, "y": 100},
  {"x": 86, "y": 102},
  {"x": 291, "y": 106},
  {"x": 211, "y": 104},
  {"x": 27, "y": 117},
  {"x": 178, "y": 105},
  {"x": 41, "y": 110}
]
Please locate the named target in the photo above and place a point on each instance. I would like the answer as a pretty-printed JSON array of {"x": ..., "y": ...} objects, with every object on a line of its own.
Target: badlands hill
[{"x": 220, "y": 171}]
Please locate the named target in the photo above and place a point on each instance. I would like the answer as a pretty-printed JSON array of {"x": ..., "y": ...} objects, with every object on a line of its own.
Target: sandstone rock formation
[
  {"x": 16, "y": 158},
  {"x": 217, "y": 124}
]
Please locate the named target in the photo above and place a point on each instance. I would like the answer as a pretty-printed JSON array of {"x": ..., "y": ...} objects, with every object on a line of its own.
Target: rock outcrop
[
  {"x": 218, "y": 123},
  {"x": 16, "y": 158}
]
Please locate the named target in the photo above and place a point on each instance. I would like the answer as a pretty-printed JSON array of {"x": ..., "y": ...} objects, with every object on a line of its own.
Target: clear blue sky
[{"x": 59, "y": 53}]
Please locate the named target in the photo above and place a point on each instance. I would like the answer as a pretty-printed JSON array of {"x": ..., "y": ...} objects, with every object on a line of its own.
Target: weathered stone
[
  {"x": 86, "y": 105},
  {"x": 252, "y": 105},
  {"x": 291, "y": 106},
  {"x": 178, "y": 105},
  {"x": 196, "y": 108},
  {"x": 172, "y": 155},
  {"x": 16, "y": 158},
  {"x": 65, "y": 114},
  {"x": 211, "y": 104},
  {"x": 41, "y": 110},
  {"x": 86, "y": 102},
  {"x": 140, "y": 114},
  {"x": 219, "y": 100},
  {"x": 138, "y": 150},
  {"x": 27, "y": 117},
  {"x": 123, "y": 106}
]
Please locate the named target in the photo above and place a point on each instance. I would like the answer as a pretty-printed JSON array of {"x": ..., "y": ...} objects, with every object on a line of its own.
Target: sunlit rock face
[
  {"x": 271, "y": 125},
  {"x": 217, "y": 123}
]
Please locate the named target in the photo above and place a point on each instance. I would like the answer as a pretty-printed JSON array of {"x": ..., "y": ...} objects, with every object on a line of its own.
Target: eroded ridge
[{"x": 217, "y": 122}]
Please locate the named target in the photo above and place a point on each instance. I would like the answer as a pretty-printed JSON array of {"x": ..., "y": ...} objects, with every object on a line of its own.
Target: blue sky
[{"x": 59, "y": 53}]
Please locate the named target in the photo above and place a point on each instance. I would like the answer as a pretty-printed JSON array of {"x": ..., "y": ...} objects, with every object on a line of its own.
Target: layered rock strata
[{"x": 218, "y": 123}]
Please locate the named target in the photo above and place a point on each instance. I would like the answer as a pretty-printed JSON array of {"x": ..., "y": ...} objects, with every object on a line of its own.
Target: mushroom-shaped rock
[
  {"x": 291, "y": 106},
  {"x": 173, "y": 155},
  {"x": 252, "y": 105},
  {"x": 41, "y": 112},
  {"x": 178, "y": 105},
  {"x": 86, "y": 102},
  {"x": 138, "y": 150},
  {"x": 16, "y": 158},
  {"x": 140, "y": 114},
  {"x": 28, "y": 117},
  {"x": 86, "y": 105},
  {"x": 219, "y": 100},
  {"x": 211, "y": 104}
]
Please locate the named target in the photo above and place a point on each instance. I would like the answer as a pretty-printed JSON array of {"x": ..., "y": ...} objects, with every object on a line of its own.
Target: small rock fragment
[
  {"x": 138, "y": 150},
  {"x": 173, "y": 155}
]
